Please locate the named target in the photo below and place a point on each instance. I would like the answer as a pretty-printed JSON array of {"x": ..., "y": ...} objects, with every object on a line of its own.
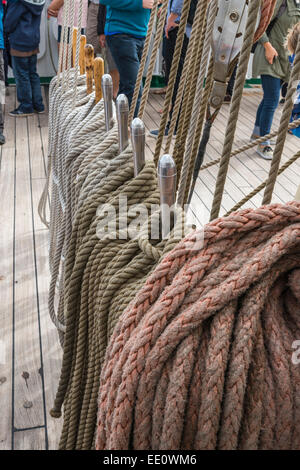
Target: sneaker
[
  {"x": 265, "y": 151},
  {"x": 156, "y": 132},
  {"x": 19, "y": 113},
  {"x": 42, "y": 111},
  {"x": 255, "y": 137},
  {"x": 2, "y": 139}
]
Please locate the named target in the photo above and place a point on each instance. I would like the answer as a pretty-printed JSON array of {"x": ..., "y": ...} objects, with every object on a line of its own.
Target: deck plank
[
  {"x": 32, "y": 439},
  {"x": 38, "y": 169},
  {"x": 28, "y": 395},
  {"x": 6, "y": 279}
]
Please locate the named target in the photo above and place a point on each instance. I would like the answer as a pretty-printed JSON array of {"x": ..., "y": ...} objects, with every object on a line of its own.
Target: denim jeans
[
  {"x": 127, "y": 53},
  {"x": 28, "y": 84},
  {"x": 265, "y": 113}
]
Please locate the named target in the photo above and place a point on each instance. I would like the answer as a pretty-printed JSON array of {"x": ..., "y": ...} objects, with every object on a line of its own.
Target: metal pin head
[
  {"x": 138, "y": 144},
  {"x": 122, "y": 104},
  {"x": 167, "y": 175},
  {"x": 107, "y": 86},
  {"x": 122, "y": 116},
  {"x": 137, "y": 128},
  {"x": 107, "y": 91},
  {"x": 166, "y": 166}
]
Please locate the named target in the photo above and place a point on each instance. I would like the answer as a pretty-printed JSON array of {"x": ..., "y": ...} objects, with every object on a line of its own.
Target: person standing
[
  {"x": 92, "y": 24},
  {"x": 271, "y": 63},
  {"x": 171, "y": 31},
  {"x": 22, "y": 23},
  {"x": 109, "y": 61},
  {"x": 125, "y": 30},
  {"x": 2, "y": 76},
  {"x": 56, "y": 10}
]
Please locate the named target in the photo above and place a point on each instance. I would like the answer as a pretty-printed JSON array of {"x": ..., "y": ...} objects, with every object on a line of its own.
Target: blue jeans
[
  {"x": 127, "y": 53},
  {"x": 265, "y": 113},
  {"x": 28, "y": 84}
]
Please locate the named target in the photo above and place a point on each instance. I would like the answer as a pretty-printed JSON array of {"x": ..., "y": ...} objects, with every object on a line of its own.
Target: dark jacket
[
  {"x": 22, "y": 24},
  {"x": 101, "y": 19},
  {"x": 1, "y": 26},
  {"x": 280, "y": 67}
]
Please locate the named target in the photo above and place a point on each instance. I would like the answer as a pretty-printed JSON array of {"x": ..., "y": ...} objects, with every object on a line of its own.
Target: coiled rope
[{"x": 202, "y": 358}]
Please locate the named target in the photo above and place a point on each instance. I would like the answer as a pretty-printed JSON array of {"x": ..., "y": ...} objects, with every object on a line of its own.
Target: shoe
[
  {"x": 255, "y": 137},
  {"x": 42, "y": 111},
  {"x": 156, "y": 132},
  {"x": 227, "y": 99},
  {"x": 19, "y": 113},
  {"x": 265, "y": 151},
  {"x": 2, "y": 139}
]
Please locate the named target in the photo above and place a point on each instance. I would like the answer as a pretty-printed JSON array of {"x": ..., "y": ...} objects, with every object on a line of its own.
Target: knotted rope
[{"x": 202, "y": 358}]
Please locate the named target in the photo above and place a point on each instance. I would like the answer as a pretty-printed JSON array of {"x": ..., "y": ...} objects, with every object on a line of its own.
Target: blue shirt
[{"x": 126, "y": 17}]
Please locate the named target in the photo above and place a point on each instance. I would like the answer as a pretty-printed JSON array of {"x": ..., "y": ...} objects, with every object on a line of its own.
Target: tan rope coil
[{"x": 101, "y": 276}]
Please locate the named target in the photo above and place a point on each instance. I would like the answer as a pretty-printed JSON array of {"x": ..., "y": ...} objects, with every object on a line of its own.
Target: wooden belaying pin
[
  {"x": 107, "y": 90},
  {"x": 138, "y": 144},
  {"x": 167, "y": 176},
  {"x": 122, "y": 108},
  {"x": 89, "y": 63},
  {"x": 82, "y": 54},
  {"x": 74, "y": 44},
  {"x": 98, "y": 74}
]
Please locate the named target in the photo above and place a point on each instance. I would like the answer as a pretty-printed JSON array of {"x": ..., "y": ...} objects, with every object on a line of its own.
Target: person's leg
[
  {"x": 37, "y": 99},
  {"x": 271, "y": 89},
  {"x": 284, "y": 87},
  {"x": 91, "y": 28},
  {"x": 113, "y": 71},
  {"x": 124, "y": 50},
  {"x": 22, "y": 78},
  {"x": 169, "y": 48},
  {"x": 256, "y": 130}
]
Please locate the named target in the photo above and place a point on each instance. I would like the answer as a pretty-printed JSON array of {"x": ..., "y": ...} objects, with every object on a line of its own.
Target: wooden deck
[{"x": 29, "y": 350}]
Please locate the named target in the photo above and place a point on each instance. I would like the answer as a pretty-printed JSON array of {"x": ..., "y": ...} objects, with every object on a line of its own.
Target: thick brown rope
[{"x": 209, "y": 330}]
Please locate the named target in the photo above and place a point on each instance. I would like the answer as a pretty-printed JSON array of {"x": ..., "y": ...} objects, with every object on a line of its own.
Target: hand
[
  {"x": 52, "y": 13},
  {"x": 171, "y": 23},
  {"x": 270, "y": 52},
  {"x": 102, "y": 40},
  {"x": 148, "y": 4}
]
